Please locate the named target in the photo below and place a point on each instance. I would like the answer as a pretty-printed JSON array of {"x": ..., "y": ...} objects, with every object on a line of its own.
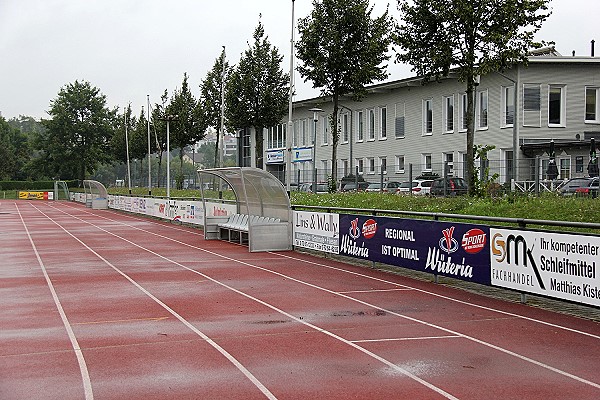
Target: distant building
[{"x": 402, "y": 124}]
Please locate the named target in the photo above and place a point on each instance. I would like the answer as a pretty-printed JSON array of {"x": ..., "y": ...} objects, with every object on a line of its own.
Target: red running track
[{"x": 100, "y": 304}]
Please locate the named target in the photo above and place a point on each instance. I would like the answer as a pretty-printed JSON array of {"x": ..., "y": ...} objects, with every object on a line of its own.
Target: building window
[
  {"x": 345, "y": 167},
  {"x": 449, "y": 163},
  {"x": 276, "y": 136},
  {"x": 556, "y": 106},
  {"x": 463, "y": 112},
  {"x": 360, "y": 133},
  {"x": 345, "y": 128},
  {"x": 565, "y": 168},
  {"x": 325, "y": 169},
  {"x": 371, "y": 162},
  {"x": 482, "y": 110},
  {"x": 592, "y": 105},
  {"x": 426, "y": 161},
  {"x": 360, "y": 164},
  {"x": 371, "y": 122},
  {"x": 427, "y": 117},
  {"x": 508, "y": 106},
  {"x": 509, "y": 164},
  {"x": 532, "y": 105},
  {"x": 400, "y": 164},
  {"x": 383, "y": 165},
  {"x": 304, "y": 122},
  {"x": 448, "y": 114},
  {"x": 383, "y": 123},
  {"x": 399, "y": 122},
  {"x": 325, "y": 131},
  {"x": 579, "y": 164}
]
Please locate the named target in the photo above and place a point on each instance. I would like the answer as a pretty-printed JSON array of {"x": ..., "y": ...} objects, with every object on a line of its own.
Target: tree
[
  {"x": 257, "y": 90},
  {"x": 343, "y": 49},
  {"x": 211, "y": 97},
  {"x": 16, "y": 136},
  {"x": 189, "y": 126},
  {"x": 159, "y": 126},
  {"x": 78, "y": 134},
  {"x": 475, "y": 37}
]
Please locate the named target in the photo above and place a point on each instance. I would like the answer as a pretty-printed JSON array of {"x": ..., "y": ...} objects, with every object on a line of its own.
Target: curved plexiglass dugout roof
[{"x": 257, "y": 192}]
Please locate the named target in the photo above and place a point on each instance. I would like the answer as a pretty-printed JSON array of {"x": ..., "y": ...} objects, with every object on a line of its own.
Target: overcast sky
[{"x": 130, "y": 49}]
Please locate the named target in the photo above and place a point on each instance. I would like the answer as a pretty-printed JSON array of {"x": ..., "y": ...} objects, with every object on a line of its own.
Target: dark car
[
  {"x": 454, "y": 187},
  {"x": 351, "y": 186},
  {"x": 580, "y": 187}
]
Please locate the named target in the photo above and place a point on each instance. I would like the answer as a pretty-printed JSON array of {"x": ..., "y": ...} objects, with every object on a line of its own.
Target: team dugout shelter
[{"x": 263, "y": 218}]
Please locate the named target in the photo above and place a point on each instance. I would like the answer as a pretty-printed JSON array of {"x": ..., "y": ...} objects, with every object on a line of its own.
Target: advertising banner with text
[
  {"x": 317, "y": 231},
  {"x": 451, "y": 249},
  {"x": 564, "y": 266}
]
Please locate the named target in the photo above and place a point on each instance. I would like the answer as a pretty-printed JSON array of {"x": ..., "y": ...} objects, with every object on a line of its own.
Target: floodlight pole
[
  {"x": 316, "y": 112},
  {"x": 149, "y": 150},
  {"x": 290, "y": 130}
]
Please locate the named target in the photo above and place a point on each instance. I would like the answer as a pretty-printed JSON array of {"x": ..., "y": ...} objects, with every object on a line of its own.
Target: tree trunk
[
  {"x": 335, "y": 139},
  {"x": 258, "y": 134},
  {"x": 470, "y": 167}
]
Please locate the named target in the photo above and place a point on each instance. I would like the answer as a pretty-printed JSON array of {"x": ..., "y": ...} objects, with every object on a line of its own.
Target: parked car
[
  {"x": 351, "y": 186},
  {"x": 580, "y": 187},
  {"x": 454, "y": 187},
  {"x": 308, "y": 188},
  {"x": 419, "y": 187},
  {"x": 388, "y": 187}
]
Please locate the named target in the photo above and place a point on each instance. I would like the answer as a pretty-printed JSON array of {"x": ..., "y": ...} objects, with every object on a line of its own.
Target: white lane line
[
  {"x": 216, "y": 346},
  {"x": 374, "y": 290},
  {"x": 443, "y": 297},
  {"x": 85, "y": 376},
  {"x": 487, "y": 344},
  {"x": 405, "y": 339},
  {"x": 282, "y": 312},
  {"x": 572, "y": 330}
]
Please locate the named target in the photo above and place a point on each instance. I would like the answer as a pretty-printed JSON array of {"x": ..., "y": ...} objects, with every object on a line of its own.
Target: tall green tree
[
  {"x": 343, "y": 48},
  {"x": 78, "y": 133},
  {"x": 159, "y": 130},
  {"x": 211, "y": 97},
  {"x": 189, "y": 126},
  {"x": 257, "y": 90},
  {"x": 475, "y": 37}
]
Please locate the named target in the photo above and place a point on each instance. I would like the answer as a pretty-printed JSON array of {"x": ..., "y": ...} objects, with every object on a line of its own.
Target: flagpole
[
  {"x": 290, "y": 130},
  {"x": 149, "y": 160}
]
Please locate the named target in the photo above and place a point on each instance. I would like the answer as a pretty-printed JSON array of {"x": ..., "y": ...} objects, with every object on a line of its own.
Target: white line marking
[
  {"x": 490, "y": 345},
  {"x": 85, "y": 376},
  {"x": 221, "y": 350},
  {"x": 405, "y": 339},
  {"x": 375, "y": 290},
  {"x": 292, "y": 317}
]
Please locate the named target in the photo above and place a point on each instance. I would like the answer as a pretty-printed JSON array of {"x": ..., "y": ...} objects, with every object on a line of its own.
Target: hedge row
[{"x": 33, "y": 185}]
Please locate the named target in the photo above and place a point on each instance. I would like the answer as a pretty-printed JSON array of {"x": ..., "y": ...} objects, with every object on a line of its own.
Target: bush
[{"x": 33, "y": 185}]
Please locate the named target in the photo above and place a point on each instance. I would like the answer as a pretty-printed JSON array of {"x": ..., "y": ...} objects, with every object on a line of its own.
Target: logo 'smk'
[{"x": 503, "y": 252}]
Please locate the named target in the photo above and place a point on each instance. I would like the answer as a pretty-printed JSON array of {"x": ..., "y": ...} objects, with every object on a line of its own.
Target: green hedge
[{"x": 33, "y": 185}]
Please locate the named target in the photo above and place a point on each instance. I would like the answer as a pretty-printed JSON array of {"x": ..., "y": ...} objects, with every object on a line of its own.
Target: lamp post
[{"x": 316, "y": 112}]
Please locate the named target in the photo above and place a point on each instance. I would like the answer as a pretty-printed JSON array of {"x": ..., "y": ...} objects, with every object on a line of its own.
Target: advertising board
[
  {"x": 317, "y": 231},
  {"x": 451, "y": 249},
  {"x": 564, "y": 266}
]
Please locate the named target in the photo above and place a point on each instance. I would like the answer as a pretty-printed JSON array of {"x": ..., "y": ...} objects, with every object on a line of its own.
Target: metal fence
[{"x": 531, "y": 173}]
